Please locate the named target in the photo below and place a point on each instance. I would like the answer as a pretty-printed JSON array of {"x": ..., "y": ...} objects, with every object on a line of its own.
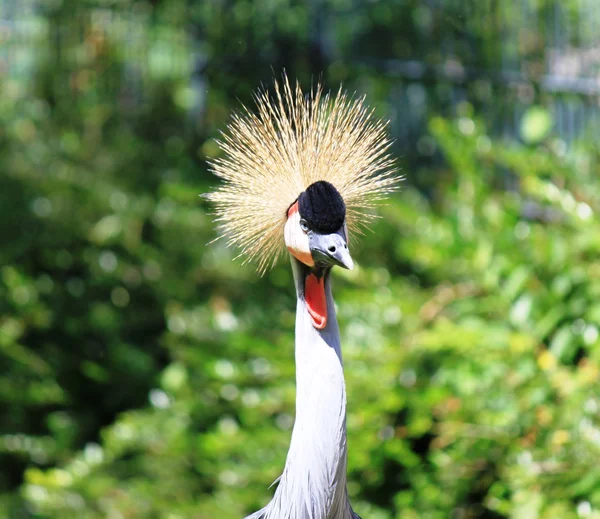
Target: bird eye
[{"x": 304, "y": 225}]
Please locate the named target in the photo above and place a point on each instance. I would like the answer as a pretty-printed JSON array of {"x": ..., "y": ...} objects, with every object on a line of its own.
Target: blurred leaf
[{"x": 535, "y": 125}]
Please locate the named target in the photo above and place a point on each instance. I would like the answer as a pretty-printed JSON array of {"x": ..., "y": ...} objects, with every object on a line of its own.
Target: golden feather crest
[{"x": 271, "y": 156}]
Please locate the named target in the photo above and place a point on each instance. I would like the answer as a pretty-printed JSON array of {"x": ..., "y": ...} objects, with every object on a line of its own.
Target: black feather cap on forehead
[{"x": 322, "y": 206}]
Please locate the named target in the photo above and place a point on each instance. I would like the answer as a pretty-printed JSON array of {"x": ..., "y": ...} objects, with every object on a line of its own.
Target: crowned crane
[{"x": 299, "y": 174}]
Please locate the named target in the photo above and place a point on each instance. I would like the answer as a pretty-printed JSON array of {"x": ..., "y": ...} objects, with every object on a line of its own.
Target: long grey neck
[{"x": 313, "y": 484}]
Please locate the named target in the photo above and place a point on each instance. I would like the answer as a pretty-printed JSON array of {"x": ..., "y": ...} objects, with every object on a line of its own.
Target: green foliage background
[{"x": 146, "y": 374}]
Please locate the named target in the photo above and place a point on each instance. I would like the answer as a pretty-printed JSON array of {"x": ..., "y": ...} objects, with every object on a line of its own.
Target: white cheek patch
[{"x": 296, "y": 240}]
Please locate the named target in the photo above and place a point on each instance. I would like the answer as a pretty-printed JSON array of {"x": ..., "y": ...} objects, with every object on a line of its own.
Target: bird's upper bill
[{"x": 316, "y": 235}]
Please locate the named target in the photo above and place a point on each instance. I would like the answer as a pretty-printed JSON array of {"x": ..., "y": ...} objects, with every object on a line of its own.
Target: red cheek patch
[
  {"x": 316, "y": 303},
  {"x": 293, "y": 209}
]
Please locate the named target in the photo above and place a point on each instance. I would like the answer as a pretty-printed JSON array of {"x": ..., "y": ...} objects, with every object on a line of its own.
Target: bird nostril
[{"x": 331, "y": 249}]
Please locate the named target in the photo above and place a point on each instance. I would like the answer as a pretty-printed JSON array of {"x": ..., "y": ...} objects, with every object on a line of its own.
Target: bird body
[
  {"x": 313, "y": 483},
  {"x": 297, "y": 176}
]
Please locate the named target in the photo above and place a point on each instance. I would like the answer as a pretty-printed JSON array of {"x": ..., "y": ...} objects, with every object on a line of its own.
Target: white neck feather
[{"x": 313, "y": 484}]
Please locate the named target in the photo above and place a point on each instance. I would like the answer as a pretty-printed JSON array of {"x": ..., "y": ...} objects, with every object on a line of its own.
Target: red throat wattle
[{"x": 316, "y": 303}]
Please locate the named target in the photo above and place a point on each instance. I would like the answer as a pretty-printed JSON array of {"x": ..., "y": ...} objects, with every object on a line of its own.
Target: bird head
[
  {"x": 298, "y": 172},
  {"x": 315, "y": 231}
]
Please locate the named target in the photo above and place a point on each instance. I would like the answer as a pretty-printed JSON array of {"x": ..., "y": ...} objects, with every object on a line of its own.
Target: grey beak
[{"x": 331, "y": 249}]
